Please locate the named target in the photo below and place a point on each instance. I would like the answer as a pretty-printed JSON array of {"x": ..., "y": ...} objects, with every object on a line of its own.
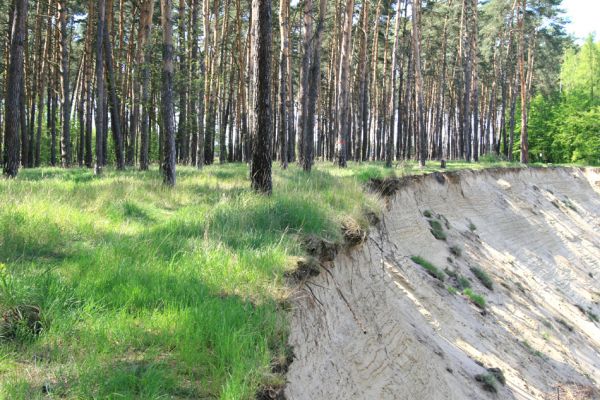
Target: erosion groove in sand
[{"x": 375, "y": 325}]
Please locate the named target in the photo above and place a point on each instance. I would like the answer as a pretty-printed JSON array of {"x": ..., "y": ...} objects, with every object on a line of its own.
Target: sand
[{"x": 375, "y": 325}]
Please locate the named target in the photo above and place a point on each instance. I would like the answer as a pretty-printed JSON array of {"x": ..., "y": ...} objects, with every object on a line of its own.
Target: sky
[{"x": 584, "y": 16}]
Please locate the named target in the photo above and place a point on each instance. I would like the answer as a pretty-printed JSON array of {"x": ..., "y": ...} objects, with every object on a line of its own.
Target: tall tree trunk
[
  {"x": 261, "y": 59},
  {"x": 13, "y": 88},
  {"x": 145, "y": 56},
  {"x": 182, "y": 127},
  {"x": 167, "y": 94},
  {"x": 344, "y": 95},
  {"x": 473, "y": 50},
  {"x": 363, "y": 93},
  {"x": 389, "y": 146},
  {"x": 307, "y": 44},
  {"x": 100, "y": 88},
  {"x": 284, "y": 22},
  {"x": 314, "y": 80},
  {"x": 194, "y": 87},
  {"x": 416, "y": 11},
  {"x": 65, "y": 146},
  {"x": 115, "y": 106}
]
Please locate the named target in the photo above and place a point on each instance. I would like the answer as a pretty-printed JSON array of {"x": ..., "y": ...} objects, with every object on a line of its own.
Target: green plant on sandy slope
[
  {"x": 452, "y": 290},
  {"x": 460, "y": 281},
  {"x": 437, "y": 230},
  {"x": 477, "y": 299},
  {"x": 488, "y": 382},
  {"x": 429, "y": 267},
  {"x": 483, "y": 277},
  {"x": 427, "y": 214}
]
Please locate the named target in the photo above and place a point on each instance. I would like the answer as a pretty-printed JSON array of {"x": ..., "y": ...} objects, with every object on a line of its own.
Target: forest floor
[{"x": 117, "y": 287}]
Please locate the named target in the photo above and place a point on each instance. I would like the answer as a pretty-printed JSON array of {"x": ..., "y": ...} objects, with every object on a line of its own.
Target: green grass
[
  {"x": 148, "y": 292},
  {"x": 477, "y": 299},
  {"x": 437, "y": 230},
  {"x": 429, "y": 267},
  {"x": 483, "y": 277}
]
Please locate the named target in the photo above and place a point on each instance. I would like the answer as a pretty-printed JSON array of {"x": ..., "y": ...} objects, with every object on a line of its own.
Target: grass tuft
[
  {"x": 477, "y": 299},
  {"x": 483, "y": 277},
  {"x": 429, "y": 267},
  {"x": 437, "y": 230}
]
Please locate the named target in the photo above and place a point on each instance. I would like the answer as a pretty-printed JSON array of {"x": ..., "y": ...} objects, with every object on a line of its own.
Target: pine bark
[
  {"x": 344, "y": 95},
  {"x": 167, "y": 95},
  {"x": 261, "y": 59},
  {"x": 14, "y": 89}
]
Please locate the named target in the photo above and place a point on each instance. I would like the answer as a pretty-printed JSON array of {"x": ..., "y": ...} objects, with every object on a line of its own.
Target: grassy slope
[{"x": 148, "y": 292}]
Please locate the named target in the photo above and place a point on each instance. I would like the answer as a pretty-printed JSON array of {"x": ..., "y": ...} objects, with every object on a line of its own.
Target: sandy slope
[{"x": 375, "y": 325}]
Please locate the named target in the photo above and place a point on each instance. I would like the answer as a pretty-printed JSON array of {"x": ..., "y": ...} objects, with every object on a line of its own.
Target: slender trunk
[
  {"x": 167, "y": 94},
  {"x": 416, "y": 11},
  {"x": 314, "y": 80},
  {"x": 344, "y": 95},
  {"x": 99, "y": 88}
]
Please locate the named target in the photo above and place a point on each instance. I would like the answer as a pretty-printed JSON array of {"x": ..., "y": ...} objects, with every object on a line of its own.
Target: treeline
[
  {"x": 565, "y": 124},
  {"x": 92, "y": 83}
]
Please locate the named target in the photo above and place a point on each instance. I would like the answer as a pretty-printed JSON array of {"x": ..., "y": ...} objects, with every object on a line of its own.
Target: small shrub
[
  {"x": 456, "y": 250},
  {"x": 463, "y": 283},
  {"x": 483, "y": 277},
  {"x": 593, "y": 317},
  {"x": 429, "y": 267},
  {"x": 498, "y": 374},
  {"x": 488, "y": 382},
  {"x": 437, "y": 230},
  {"x": 472, "y": 227},
  {"x": 477, "y": 299},
  {"x": 452, "y": 290},
  {"x": 427, "y": 214}
]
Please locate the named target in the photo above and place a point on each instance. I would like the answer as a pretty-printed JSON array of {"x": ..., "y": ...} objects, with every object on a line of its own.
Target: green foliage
[
  {"x": 463, "y": 283},
  {"x": 483, "y": 277},
  {"x": 477, "y": 299},
  {"x": 564, "y": 127},
  {"x": 452, "y": 290},
  {"x": 429, "y": 267},
  {"x": 147, "y": 292},
  {"x": 437, "y": 230}
]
